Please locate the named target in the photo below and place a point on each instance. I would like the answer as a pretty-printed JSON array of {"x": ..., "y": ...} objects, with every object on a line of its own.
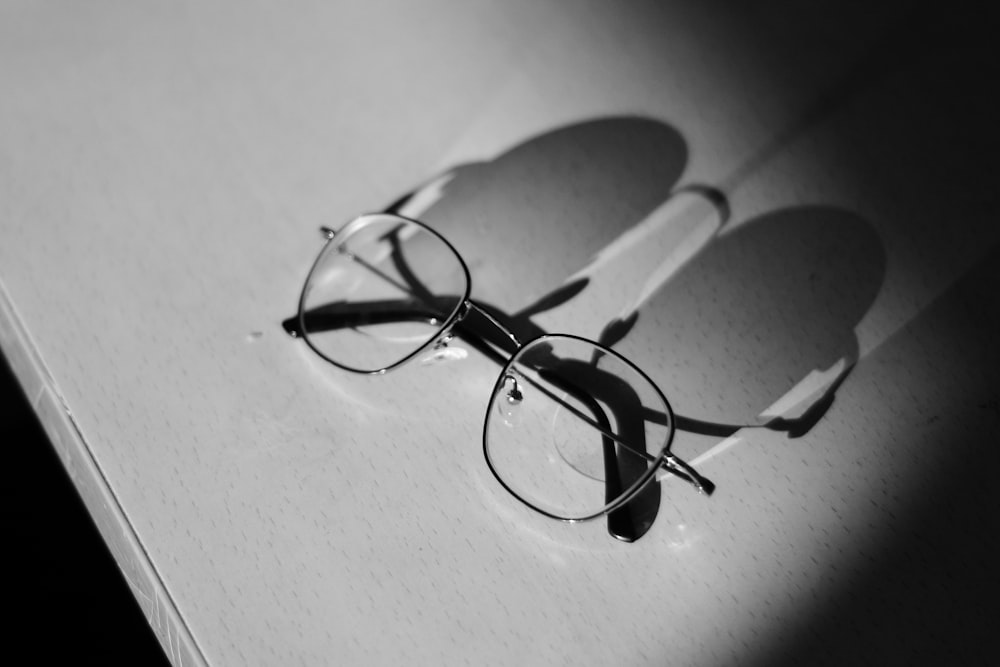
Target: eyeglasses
[{"x": 573, "y": 430}]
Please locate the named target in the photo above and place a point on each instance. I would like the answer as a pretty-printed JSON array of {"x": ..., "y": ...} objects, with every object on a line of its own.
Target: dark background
[{"x": 69, "y": 601}]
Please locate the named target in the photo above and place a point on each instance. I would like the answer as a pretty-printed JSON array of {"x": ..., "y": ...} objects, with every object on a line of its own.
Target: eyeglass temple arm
[{"x": 335, "y": 316}]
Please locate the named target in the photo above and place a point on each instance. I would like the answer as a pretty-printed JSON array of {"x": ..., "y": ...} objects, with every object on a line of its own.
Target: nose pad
[
  {"x": 444, "y": 352},
  {"x": 509, "y": 403}
]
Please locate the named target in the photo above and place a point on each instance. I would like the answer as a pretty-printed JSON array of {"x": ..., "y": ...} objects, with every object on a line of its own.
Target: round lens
[
  {"x": 575, "y": 430},
  {"x": 383, "y": 288}
]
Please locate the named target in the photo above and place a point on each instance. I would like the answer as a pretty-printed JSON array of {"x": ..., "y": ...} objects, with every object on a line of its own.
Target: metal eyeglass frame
[{"x": 465, "y": 306}]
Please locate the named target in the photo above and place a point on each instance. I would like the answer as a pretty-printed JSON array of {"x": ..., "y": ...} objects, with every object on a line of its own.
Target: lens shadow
[
  {"x": 757, "y": 311},
  {"x": 526, "y": 220}
]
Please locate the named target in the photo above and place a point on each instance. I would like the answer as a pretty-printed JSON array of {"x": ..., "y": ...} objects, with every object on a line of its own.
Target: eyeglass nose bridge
[{"x": 469, "y": 306}]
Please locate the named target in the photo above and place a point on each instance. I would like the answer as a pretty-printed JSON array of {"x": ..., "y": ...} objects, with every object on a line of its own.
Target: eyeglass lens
[
  {"x": 382, "y": 289},
  {"x": 567, "y": 432}
]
